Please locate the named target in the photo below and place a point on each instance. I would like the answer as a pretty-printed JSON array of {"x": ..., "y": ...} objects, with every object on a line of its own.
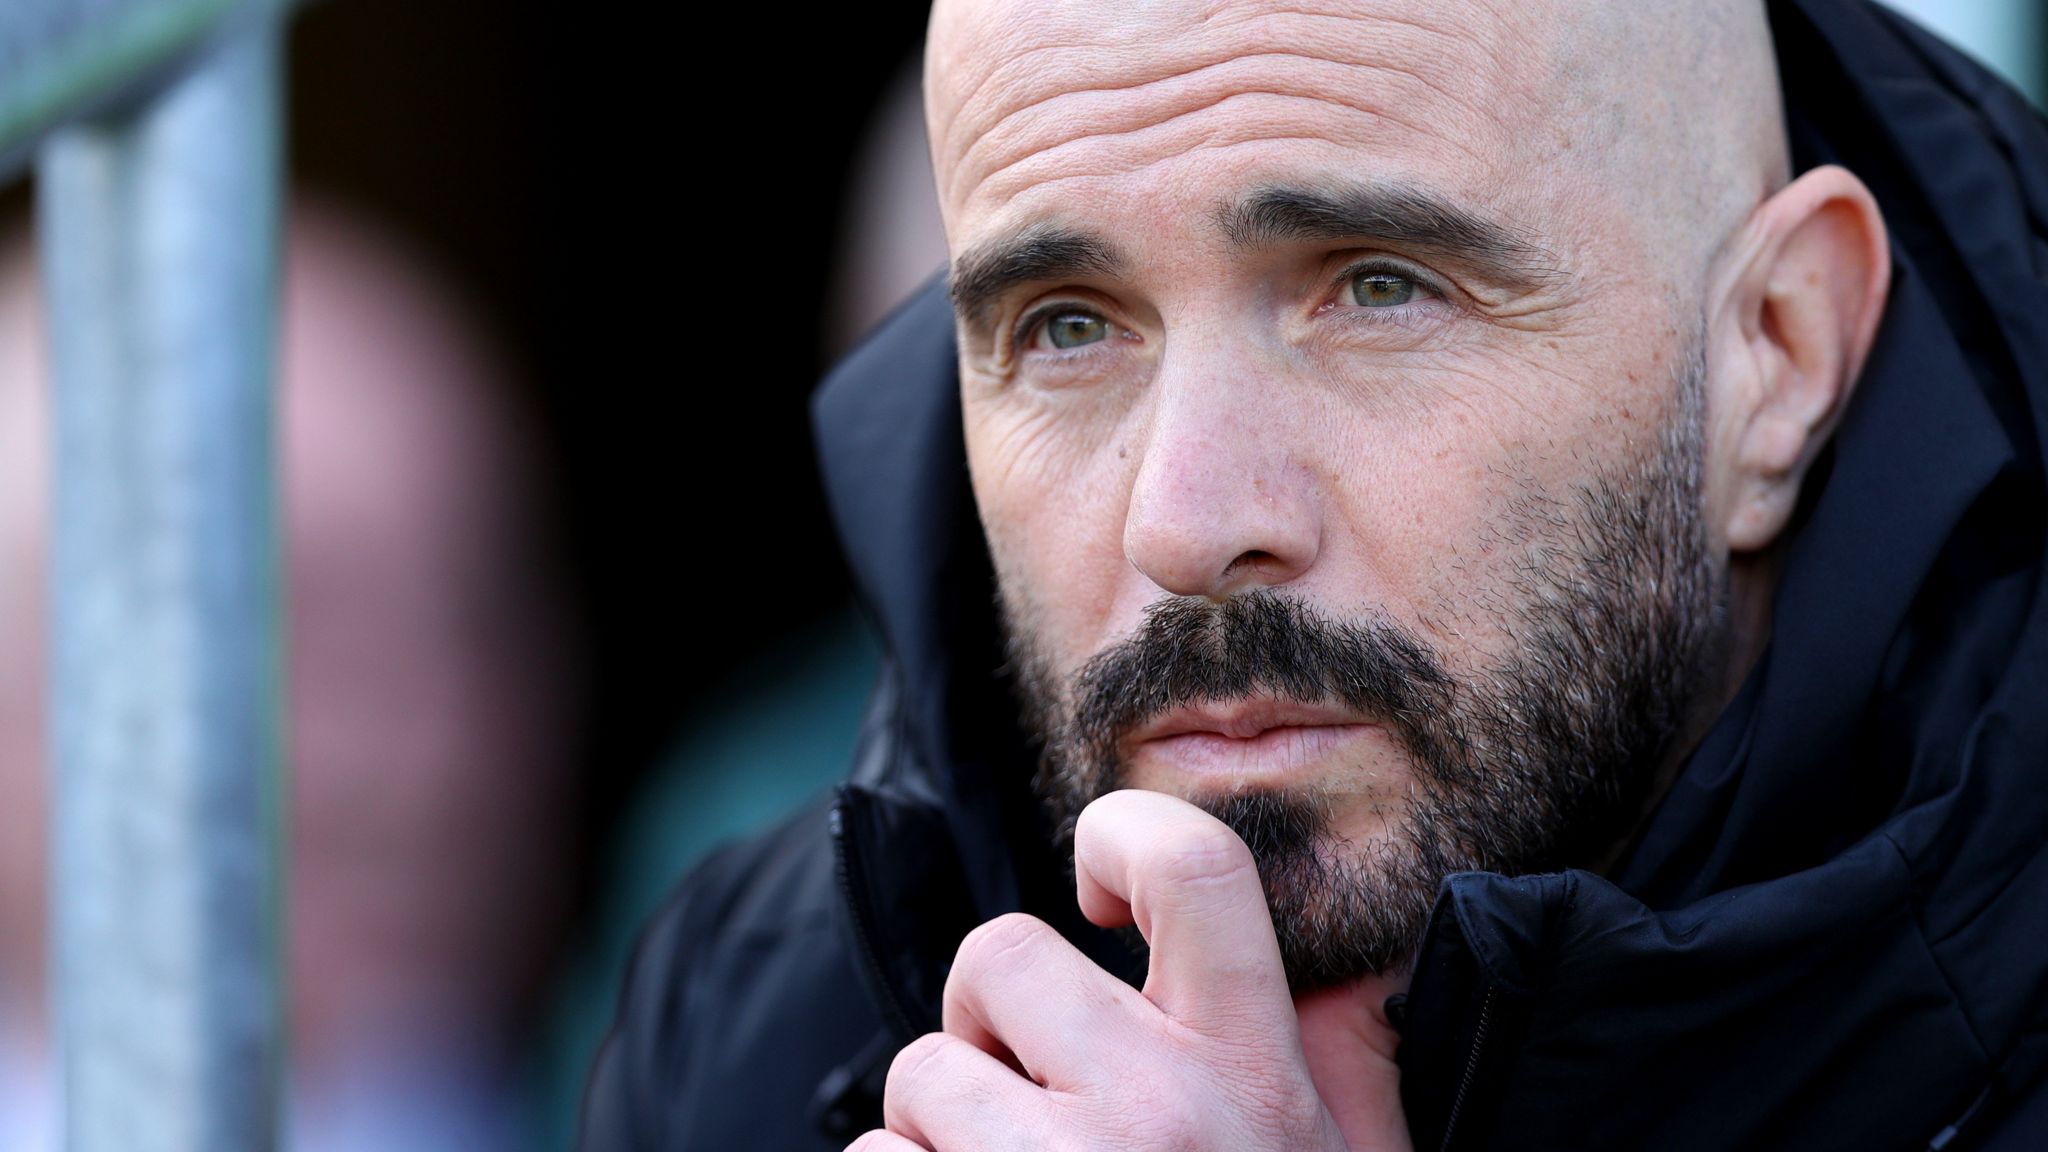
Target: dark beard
[{"x": 1541, "y": 762}]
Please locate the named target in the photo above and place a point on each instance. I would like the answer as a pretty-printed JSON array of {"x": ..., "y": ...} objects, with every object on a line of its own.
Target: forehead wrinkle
[
  {"x": 1277, "y": 31},
  {"x": 964, "y": 101},
  {"x": 1156, "y": 161},
  {"x": 1249, "y": 129},
  {"x": 1202, "y": 86},
  {"x": 1006, "y": 104},
  {"x": 1464, "y": 38}
]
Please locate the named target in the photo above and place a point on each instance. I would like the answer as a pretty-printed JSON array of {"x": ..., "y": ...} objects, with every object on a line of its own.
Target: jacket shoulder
[{"x": 741, "y": 1000}]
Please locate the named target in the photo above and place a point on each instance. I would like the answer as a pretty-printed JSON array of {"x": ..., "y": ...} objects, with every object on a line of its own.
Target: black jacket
[{"x": 1832, "y": 933}]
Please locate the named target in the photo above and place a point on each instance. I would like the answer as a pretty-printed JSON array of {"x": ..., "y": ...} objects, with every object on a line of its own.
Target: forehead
[{"x": 1038, "y": 106}]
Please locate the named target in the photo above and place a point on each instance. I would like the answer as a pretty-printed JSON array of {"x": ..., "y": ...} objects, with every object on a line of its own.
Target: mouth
[{"x": 1269, "y": 741}]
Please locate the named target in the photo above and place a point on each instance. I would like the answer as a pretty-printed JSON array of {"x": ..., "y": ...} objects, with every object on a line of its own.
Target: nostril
[{"x": 1253, "y": 558}]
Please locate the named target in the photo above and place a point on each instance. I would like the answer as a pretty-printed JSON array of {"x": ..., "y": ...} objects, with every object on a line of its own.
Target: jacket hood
[{"x": 1847, "y": 876}]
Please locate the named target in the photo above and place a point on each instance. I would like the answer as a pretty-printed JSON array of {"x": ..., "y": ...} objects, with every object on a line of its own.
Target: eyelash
[
  {"x": 1028, "y": 326},
  {"x": 1426, "y": 290}
]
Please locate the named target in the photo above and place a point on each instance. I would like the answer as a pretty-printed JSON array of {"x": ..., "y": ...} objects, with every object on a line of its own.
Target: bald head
[
  {"x": 1575, "y": 116},
  {"x": 1679, "y": 103}
]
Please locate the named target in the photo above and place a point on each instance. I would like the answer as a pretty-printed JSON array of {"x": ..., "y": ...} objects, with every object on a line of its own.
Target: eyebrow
[
  {"x": 1400, "y": 215},
  {"x": 986, "y": 272}
]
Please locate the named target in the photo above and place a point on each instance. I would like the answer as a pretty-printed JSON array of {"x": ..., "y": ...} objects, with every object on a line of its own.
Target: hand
[{"x": 1044, "y": 1050}]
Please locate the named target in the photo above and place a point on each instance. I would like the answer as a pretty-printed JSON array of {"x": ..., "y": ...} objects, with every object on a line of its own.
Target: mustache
[{"x": 1191, "y": 650}]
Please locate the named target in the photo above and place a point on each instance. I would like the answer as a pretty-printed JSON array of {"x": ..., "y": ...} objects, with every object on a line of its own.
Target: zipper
[
  {"x": 1471, "y": 1068},
  {"x": 1947, "y": 1136},
  {"x": 844, "y": 863}
]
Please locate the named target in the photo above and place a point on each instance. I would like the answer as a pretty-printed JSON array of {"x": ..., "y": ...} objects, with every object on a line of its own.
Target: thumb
[{"x": 1350, "y": 1046}]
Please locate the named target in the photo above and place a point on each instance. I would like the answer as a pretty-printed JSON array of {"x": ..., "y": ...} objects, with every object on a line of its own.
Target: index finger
[{"x": 1191, "y": 887}]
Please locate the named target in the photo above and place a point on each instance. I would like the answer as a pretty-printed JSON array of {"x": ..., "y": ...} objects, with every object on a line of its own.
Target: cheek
[
  {"x": 1444, "y": 500},
  {"x": 1051, "y": 493},
  {"x": 1408, "y": 529}
]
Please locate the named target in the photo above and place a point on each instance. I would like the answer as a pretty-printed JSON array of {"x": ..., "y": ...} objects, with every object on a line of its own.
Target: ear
[{"x": 1805, "y": 287}]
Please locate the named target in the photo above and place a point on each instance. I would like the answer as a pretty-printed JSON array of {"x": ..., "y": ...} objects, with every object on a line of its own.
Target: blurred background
[{"x": 567, "y": 609}]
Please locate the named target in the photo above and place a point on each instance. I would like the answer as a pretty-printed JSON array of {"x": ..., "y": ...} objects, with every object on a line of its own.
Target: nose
[{"x": 1223, "y": 499}]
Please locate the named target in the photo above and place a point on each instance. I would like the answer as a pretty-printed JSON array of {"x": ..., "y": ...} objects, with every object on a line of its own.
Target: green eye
[
  {"x": 1380, "y": 289},
  {"x": 1073, "y": 329}
]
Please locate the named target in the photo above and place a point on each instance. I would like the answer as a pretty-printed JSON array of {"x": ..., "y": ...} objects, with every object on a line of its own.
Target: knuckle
[
  {"x": 1009, "y": 942},
  {"x": 1200, "y": 858},
  {"x": 914, "y": 1070}
]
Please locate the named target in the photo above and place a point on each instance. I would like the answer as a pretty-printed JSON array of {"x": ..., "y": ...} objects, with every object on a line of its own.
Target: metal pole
[
  {"x": 60, "y": 59},
  {"x": 159, "y": 232}
]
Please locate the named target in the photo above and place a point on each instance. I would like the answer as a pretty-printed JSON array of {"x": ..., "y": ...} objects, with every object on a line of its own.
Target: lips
[
  {"x": 1247, "y": 719},
  {"x": 1249, "y": 739}
]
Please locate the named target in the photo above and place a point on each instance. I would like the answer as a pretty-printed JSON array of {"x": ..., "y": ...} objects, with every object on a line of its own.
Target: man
[{"x": 1517, "y": 552}]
